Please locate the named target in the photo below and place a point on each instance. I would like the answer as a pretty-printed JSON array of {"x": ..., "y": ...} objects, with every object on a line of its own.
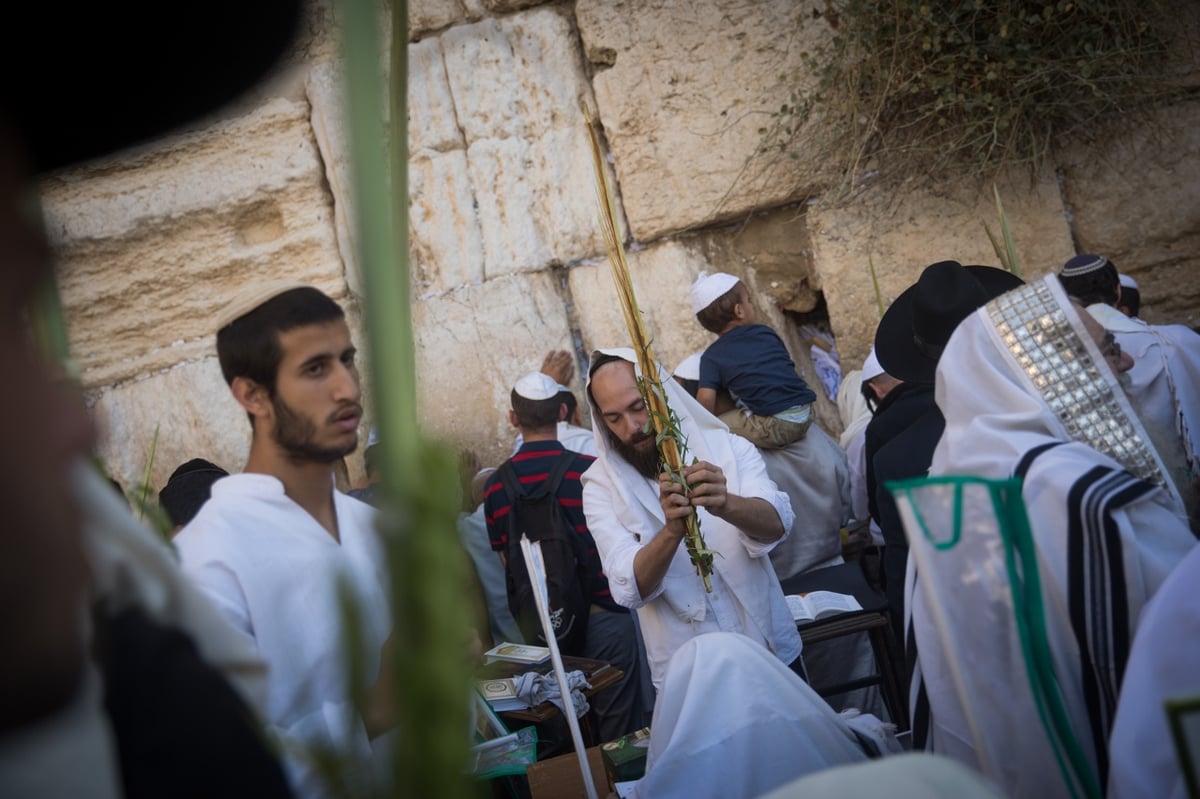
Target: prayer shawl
[
  {"x": 1025, "y": 392},
  {"x": 1164, "y": 665},
  {"x": 1164, "y": 389},
  {"x": 276, "y": 575},
  {"x": 623, "y": 514},
  {"x": 732, "y": 721}
]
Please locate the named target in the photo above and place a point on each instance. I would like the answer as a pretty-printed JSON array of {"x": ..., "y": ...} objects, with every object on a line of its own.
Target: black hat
[
  {"x": 188, "y": 488},
  {"x": 916, "y": 327},
  {"x": 84, "y": 80}
]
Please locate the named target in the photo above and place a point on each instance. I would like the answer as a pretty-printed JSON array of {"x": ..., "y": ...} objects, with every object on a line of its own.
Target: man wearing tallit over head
[
  {"x": 637, "y": 521},
  {"x": 1028, "y": 386}
]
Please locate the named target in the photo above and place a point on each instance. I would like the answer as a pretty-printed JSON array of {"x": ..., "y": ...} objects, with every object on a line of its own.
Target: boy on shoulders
[{"x": 771, "y": 403}]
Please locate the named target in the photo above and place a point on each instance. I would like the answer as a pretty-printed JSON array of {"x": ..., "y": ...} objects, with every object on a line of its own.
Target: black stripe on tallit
[
  {"x": 1028, "y": 458},
  {"x": 1097, "y": 595}
]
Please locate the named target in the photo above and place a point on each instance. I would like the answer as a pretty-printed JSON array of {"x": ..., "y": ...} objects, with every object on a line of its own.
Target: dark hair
[
  {"x": 249, "y": 345},
  {"x": 719, "y": 312},
  {"x": 1098, "y": 286},
  {"x": 568, "y": 398},
  {"x": 1131, "y": 298},
  {"x": 536, "y": 414}
]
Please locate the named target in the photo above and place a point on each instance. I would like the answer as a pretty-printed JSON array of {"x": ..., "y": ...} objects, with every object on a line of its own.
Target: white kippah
[
  {"x": 254, "y": 296},
  {"x": 1082, "y": 265},
  {"x": 689, "y": 367},
  {"x": 708, "y": 288},
  {"x": 1128, "y": 282},
  {"x": 871, "y": 367},
  {"x": 536, "y": 386}
]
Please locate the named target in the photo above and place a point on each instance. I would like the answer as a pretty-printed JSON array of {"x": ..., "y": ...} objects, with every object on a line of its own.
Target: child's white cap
[
  {"x": 1128, "y": 282},
  {"x": 708, "y": 288}
]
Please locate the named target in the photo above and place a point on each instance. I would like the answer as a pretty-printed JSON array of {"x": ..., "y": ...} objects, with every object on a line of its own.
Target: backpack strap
[{"x": 514, "y": 489}]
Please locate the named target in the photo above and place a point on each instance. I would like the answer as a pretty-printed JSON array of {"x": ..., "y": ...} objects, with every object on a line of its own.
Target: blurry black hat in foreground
[{"x": 85, "y": 80}]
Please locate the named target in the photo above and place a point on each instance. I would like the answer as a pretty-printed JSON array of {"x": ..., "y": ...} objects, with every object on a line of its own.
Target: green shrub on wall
[{"x": 925, "y": 88}]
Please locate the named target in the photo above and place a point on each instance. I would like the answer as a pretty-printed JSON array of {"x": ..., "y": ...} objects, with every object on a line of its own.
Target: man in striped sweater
[{"x": 611, "y": 634}]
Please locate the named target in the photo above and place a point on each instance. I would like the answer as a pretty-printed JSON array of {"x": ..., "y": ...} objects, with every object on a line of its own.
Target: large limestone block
[
  {"x": 151, "y": 249},
  {"x": 662, "y": 274},
  {"x": 683, "y": 90},
  {"x": 194, "y": 412},
  {"x": 472, "y": 345},
  {"x": 326, "y": 90},
  {"x": 1134, "y": 195},
  {"x": 428, "y": 16},
  {"x": 196, "y": 416},
  {"x": 501, "y": 172},
  {"x": 902, "y": 233}
]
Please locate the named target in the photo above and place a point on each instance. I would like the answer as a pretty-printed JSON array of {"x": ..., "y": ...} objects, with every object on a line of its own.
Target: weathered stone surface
[
  {"x": 502, "y": 176},
  {"x": 662, "y": 276},
  {"x": 683, "y": 90},
  {"x": 776, "y": 245},
  {"x": 326, "y": 92},
  {"x": 196, "y": 416},
  {"x": 428, "y": 16},
  {"x": 194, "y": 412},
  {"x": 1134, "y": 196},
  {"x": 472, "y": 344},
  {"x": 151, "y": 250},
  {"x": 902, "y": 234}
]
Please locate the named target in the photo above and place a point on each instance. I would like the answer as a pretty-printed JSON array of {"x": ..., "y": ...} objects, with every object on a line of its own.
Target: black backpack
[{"x": 540, "y": 517}]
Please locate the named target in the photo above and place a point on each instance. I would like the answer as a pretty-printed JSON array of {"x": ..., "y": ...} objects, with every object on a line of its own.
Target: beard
[
  {"x": 296, "y": 435},
  {"x": 645, "y": 461}
]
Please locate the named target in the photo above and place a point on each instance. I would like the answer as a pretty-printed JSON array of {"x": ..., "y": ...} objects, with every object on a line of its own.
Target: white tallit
[
  {"x": 732, "y": 721},
  {"x": 1164, "y": 389},
  {"x": 1025, "y": 391},
  {"x": 623, "y": 513}
]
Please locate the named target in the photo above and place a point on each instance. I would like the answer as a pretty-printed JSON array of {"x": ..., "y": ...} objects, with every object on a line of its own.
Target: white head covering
[
  {"x": 536, "y": 386},
  {"x": 732, "y": 720},
  {"x": 1033, "y": 376},
  {"x": 871, "y": 367},
  {"x": 689, "y": 367},
  {"x": 253, "y": 296},
  {"x": 635, "y": 499},
  {"x": 1127, "y": 282},
  {"x": 708, "y": 288}
]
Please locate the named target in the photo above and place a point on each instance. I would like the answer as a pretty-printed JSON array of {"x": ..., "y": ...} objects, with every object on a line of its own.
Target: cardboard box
[{"x": 559, "y": 777}]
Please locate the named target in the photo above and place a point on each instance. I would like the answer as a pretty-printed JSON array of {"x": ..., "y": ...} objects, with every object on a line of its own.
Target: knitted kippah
[
  {"x": 254, "y": 296},
  {"x": 1082, "y": 265}
]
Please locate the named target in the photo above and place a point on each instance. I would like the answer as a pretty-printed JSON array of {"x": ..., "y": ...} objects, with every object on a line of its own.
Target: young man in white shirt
[{"x": 278, "y": 548}]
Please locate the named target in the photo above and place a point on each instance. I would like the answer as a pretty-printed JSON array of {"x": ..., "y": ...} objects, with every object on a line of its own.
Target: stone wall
[{"x": 507, "y": 260}]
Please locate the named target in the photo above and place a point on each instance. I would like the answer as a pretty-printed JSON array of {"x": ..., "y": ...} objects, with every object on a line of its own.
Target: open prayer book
[{"x": 820, "y": 604}]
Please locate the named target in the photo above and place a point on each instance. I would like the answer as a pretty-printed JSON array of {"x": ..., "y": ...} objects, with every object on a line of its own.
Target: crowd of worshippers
[{"x": 976, "y": 377}]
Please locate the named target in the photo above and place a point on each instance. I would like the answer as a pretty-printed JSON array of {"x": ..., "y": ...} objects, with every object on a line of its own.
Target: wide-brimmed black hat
[
  {"x": 917, "y": 325},
  {"x": 84, "y": 80}
]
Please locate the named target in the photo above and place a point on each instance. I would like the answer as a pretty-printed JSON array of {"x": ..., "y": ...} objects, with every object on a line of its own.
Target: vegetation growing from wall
[{"x": 924, "y": 89}]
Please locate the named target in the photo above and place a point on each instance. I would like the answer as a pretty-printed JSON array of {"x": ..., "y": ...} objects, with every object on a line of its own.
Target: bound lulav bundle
[{"x": 672, "y": 446}]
